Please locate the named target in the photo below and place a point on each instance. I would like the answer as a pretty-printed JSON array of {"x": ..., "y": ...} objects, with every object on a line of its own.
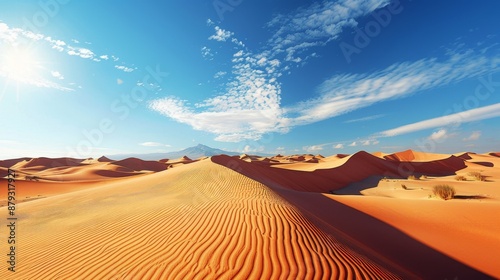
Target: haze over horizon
[{"x": 269, "y": 77}]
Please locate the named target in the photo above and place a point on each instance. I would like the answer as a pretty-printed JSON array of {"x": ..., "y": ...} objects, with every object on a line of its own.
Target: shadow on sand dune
[{"x": 374, "y": 238}]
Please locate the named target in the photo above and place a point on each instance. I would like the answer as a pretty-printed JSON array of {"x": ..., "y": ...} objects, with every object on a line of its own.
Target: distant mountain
[
  {"x": 199, "y": 151},
  {"x": 192, "y": 153}
]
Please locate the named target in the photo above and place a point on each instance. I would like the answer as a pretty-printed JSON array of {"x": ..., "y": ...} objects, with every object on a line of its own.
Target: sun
[{"x": 20, "y": 64}]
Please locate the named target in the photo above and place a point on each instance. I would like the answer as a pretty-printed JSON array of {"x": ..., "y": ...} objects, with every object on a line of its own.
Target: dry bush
[
  {"x": 477, "y": 176},
  {"x": 445, "y": 192},
  {"x": 404, "y": 186},
  {"x": 460, "y": 178}
]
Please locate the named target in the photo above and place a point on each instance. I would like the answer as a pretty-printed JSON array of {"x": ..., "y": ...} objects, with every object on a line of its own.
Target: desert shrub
[
  {"x": 477, "y": 176},
  {"x": 460, "y": 178},
  {"x": 404, "y": 186},
  {"x": 444, "y": 191},
  {"x": 413, "y": 177},
  {"x": 423, "y": 177}
]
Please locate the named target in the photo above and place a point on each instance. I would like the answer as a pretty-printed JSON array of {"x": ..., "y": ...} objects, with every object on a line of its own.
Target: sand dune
[
  {"x": 140, "y": 165},
  {"x": 44, "y": 163},
  {"x": 13, "y": 162},
  {"x": 179, "y": 224},
  {"x": 330, "y": 175},
  {"x": 250, "y": 217},
  {"x": 104, "y": 159},
  {"x": 410, "y": 155}
]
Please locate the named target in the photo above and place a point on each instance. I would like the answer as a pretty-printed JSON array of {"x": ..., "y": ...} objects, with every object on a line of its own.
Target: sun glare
[{"x": 20, "y": 64}]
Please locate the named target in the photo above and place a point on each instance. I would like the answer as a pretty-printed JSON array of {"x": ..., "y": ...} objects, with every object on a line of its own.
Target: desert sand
[{"x": 359, "y": 216}]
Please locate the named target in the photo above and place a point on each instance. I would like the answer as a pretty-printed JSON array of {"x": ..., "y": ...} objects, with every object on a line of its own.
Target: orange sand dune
[
  {"x": 407, "y": 240},
  {"x": 140, "y": 165},
  {"x": 104, "y": 159},
  {"x": 340, "y": 173},
  {"x": 265, "y": 218},
  {"x": 3, "y": 172},
  {"x": 44, "y": 163},
  {"x": 197, "y": 221},
  {"x": 379, "y": 154},
  {"x": 410, "y": 155},
  {"x": 31, "y": 190},
  {"x": 11, "y": 162}
]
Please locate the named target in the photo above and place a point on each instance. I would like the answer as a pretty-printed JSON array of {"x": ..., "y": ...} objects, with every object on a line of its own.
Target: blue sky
[{"x": 87, "y": 78}]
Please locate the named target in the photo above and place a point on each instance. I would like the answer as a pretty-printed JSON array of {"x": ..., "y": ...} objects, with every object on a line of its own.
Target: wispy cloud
[
  {"x": 314, "y": 148},
  {"x": 338, "y": 146},
  {"x": 81, "y": 52},
  {"x": 317, "y": 24},
  {"x": 474, "y": 136},
  {"x": 124, "y": 68},
  {"x": 369, "y": 118},
  {"x": 439, "y": 135},
  {"x": 57, "y": 75},
  {"x": 154, "y": 144},
  {"x": 344, "y": 93},
  {"x": 206, "y": 53},
  {"x": 221, "y": 34},
  {"x": 482, "y": 113},
  {"x": 220, "y": 74}
]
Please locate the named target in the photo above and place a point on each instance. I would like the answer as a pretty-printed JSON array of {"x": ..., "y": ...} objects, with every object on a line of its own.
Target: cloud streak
[
  {"x": 344, "y": 93},
  {"x": 482, "y": 113}
]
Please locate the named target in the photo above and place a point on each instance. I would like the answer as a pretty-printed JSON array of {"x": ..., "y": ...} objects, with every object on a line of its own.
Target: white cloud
[
  {"x": 250, "y": 149},
  {"x": 56, "y": 44},
  {"x": 57, "y": 75},
  {"x": 439, "y": 135},
  {"x": 482, "y": 113},
  {"x": 369, "y": 118},
  {"x": 474, "y": 136},
  {"x": 318, "y": 24},
  {"x": 81, "y": 52},
  {"x": 369, "y": 142},
  {"x": 206, "y": 53},
  {"x": 338, "y": 146},
  {"x": 238, "y": 43},
  {"x": 353, "y": 144},
  {"x": 344, "y": 93},
  {"x": 221, "y": 35},
  {"x": 124, "y": 68},
  {"x": 314, "y": 148},
  {"x": 154, "y": 144},
  {"x": 231, "y": 125},
  {"x": 220, "y": 74},
  {"x": 104, "y": 57}
]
